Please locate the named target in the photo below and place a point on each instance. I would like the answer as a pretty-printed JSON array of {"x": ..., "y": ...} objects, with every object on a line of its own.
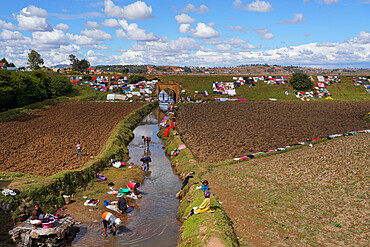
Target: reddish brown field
[
  {"x": 44, "y": 142},
  {"x": 315, "y": 196},
  {"x": 220, "y": 131}
]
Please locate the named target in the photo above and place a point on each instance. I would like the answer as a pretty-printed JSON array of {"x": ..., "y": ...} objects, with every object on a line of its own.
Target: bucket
[
  {"x": 49, "y": 224},
  {"x": 67, "y": 199},
  {"x": 124, "y": 191}
]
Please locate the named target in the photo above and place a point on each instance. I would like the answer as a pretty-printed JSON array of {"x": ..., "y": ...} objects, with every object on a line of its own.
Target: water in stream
[{"x": 154, "y": 222}]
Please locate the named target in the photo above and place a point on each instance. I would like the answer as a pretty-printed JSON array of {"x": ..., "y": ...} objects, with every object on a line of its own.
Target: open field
[
  {"x": 343, "y": 91},
  {"x": 220, "y": 131},
  {"x": 44, "y": 142},
  {"x": 315, "y": 196}
]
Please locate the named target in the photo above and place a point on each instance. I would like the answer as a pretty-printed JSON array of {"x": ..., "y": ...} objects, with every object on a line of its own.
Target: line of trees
[{"x": 18, "y": 89}]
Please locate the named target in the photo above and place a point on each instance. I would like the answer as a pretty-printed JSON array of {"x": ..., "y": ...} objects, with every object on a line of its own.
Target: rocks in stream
[{"x": 58, "y": 236}]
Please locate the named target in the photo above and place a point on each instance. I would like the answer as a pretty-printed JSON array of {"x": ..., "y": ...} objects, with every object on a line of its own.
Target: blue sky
[{"x": 322, "y": 33}]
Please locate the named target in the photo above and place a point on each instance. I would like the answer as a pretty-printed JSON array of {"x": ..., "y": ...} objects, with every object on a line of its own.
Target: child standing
[{"x": 79, "y": 149}]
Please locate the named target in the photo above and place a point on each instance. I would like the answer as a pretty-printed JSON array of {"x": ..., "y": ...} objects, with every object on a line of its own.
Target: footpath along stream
[{"x": 153, "y": 223}]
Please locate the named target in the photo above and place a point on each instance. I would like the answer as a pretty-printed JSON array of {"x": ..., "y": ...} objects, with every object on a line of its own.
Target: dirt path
[
  {"x": 44, "y": 142},
  {"x": 308, "y": 197}
]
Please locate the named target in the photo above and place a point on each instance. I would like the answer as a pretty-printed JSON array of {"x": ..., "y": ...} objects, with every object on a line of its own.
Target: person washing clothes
[
  {"x": 79, "y": 149},
  {"x": 36, "y": 220},
  {"x": 147, "y": 140},
  {"x": 110, "y": 221},
  {"x": 133, "y": 187},
  {"x": 204, "y": 207},
  {"x": 146, "y": 161},
  {"x": 122, "y": 205}
]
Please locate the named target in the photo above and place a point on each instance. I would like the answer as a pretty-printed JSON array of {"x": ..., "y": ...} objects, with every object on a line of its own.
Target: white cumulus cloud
[
  {"x": 135, "y": 11},
  {"x": 9, "y": 35},
  {"x": 54, "y": 38},
  {"x": 7, "y": 25},
  {"x": 92, "y": 24},
  {"x": 296, "y": 19},
  {"x": 203, "y": 31},
  {"x": 62, "y": 26},
  {"x": 96, "y": 34},
  {"x": 191, "y": 8},
  {"x": 184, "y": 28},
  {"x": 257, "y": 6},
  {"x": 184, "y": 19},
  {"x": 33, "y": 18},
  {"x": 112, "y": 23},
  {"x": 135, "y": 33},
  {"x": 268, "y": 36}
]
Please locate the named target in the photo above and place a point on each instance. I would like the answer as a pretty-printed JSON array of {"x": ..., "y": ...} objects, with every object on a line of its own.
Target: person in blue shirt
[{"x": 205, "y": 185}]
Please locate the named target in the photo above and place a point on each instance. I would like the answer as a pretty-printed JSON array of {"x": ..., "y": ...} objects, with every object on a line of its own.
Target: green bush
[
  {"x": 87, "y": 78},
  {"x": 18, "y": 89},
  {"x": 133, "y": 79},
  {"x": 301, "y": 82}
]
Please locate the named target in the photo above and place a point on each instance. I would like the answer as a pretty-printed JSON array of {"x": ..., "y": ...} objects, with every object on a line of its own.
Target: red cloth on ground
[{"x": 166, "y": 131}]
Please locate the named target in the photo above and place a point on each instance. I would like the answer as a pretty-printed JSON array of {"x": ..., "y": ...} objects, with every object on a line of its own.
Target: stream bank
[
  {"x": 152, "y": 221},
  {"x": 206, "y": 229},
  {"x": 66, "y": 182}
]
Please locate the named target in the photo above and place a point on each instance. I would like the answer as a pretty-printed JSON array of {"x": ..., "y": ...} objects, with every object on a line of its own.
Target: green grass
[
  {"x": 78, "y": 93},
  {"x": 343, "y": 91}
]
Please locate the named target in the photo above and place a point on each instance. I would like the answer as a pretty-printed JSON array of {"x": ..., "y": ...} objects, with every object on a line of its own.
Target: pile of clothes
[
  {"x": 318, "y": 93},
  {"x": 9, "y": 192}
]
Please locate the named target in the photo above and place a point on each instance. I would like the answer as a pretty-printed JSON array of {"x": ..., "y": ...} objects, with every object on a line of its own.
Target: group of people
[
  {"x": 205, "y": 206},
  {"x": 109, "y": 220}
]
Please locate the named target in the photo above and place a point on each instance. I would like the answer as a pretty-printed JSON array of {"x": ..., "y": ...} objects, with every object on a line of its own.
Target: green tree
[
  {"x": 4, "y": 61},
  {"x": 35, "y": 60},
  {"x": 139, "y": 71},
  {"x": 11, "y": 65},
  {"x": 301, "y": 82},
  {"x": 78, "y": 65},
  {"x": 124, "y": 71},
  {"x": 133, "y": 79}
]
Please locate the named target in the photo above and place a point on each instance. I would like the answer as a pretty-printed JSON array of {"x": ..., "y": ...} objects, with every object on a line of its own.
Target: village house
[{"x": 3, "y": 66}]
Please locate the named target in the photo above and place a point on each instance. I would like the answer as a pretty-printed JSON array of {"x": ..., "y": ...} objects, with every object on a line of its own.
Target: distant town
[{"x": 252, "y": 69}]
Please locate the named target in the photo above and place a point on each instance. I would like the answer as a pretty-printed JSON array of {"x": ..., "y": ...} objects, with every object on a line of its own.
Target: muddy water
[{"x": 153, "y": 222}]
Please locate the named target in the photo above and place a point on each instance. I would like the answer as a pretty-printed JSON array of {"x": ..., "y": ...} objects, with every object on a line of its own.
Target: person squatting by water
[
  {"x": 79, "y": 149},
  {"x": 36, "y": 220},
  {"x": 147, "y": 140},
  {"x": 133, "y": 188},
  {"x": 146, "y": 161},
  {"x": 110, "y": 221},
  {"x": 204, "y": 207},
  {"x": 122, "y": 205}
]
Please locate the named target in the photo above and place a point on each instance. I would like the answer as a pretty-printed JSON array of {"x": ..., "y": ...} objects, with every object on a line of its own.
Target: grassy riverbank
[
  {"x": 207, "y": 229},
  {"x": 49, "y": 190}
]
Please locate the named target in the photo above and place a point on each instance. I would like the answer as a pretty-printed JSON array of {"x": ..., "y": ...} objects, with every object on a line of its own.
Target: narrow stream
[{"x": 154, "y": 222}]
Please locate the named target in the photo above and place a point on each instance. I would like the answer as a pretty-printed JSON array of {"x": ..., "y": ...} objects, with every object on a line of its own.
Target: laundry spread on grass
[
  {"x": 10, "y": 192},
  {"x": 92, "y": 202},
  {"x": 330, "y": 137}
]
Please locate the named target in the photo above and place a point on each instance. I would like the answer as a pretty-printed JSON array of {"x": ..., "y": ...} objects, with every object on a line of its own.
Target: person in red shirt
[{"x": 133, "y": 187}]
